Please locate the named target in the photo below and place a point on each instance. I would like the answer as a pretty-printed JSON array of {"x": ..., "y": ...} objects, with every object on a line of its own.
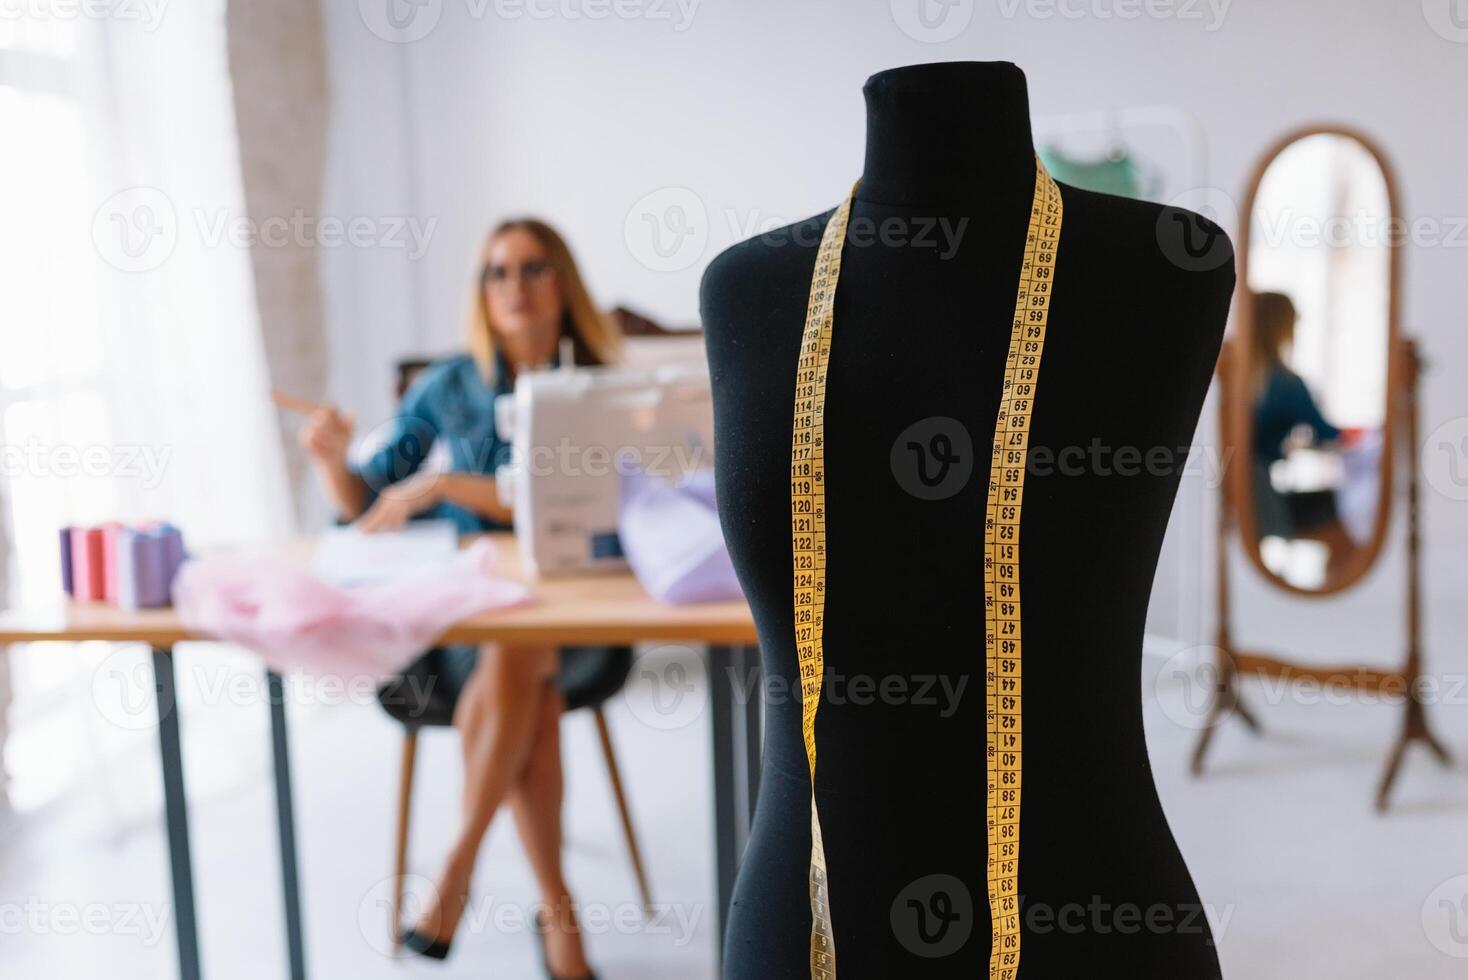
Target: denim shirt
[
  {"x": 1284, "y": 405},
  {"x": 448, "y": 403}
]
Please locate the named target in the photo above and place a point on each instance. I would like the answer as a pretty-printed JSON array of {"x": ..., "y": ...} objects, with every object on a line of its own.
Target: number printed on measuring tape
[
  {"x": 1003, "y": 724},
  {"x": 808, "y": 547},
  {"x": 1002, "y": 633}
]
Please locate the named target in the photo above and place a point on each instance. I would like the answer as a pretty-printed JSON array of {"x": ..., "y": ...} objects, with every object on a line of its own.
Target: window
[{"x": 51, "y": 386}]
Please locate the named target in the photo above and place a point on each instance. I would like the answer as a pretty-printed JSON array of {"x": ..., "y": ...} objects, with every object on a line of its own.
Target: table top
[{"x": 606, "y": 607}]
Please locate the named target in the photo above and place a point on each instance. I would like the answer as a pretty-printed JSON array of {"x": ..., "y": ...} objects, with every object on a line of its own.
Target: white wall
[{"x": 755, "y": 107}]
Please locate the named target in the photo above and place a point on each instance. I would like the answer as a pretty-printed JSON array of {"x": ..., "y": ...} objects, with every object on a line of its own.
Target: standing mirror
[
  {"x": 1319, "y": 395},
  {"x": 1316, "y": 337}
]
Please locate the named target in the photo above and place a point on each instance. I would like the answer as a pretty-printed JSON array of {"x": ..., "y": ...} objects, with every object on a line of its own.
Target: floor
[
  {"x": 114, "y": 919},
  {"x": 1284, "y": 843},
  {"x": 1303, "y": 878}
]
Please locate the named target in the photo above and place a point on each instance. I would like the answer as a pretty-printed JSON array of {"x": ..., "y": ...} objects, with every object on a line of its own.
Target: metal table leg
[
  {"x": 176, "y": 816},
  {"x": 734, "y": 702},
  {"x": 286, "y": 827}
]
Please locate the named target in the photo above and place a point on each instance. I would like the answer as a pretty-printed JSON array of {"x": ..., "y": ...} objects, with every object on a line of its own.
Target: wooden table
[{"x": 592, "y": 609}]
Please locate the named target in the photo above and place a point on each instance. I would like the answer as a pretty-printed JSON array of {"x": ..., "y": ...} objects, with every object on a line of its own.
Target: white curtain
[
  {"x": 4, "y": 662},
  {"x": 133, "y": 381}
]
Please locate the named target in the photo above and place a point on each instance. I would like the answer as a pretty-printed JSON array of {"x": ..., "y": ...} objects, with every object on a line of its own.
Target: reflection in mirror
[{"x": 1319, "y": 270}]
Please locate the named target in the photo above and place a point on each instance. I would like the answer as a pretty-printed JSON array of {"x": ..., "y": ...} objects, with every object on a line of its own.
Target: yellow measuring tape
[{"x": 1001, "y": 562}]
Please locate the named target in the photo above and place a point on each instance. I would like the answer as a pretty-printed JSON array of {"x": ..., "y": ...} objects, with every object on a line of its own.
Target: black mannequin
[{"x": 1135, "y": 324}]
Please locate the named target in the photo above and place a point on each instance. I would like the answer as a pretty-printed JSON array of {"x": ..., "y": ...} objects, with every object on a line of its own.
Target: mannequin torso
[{"x": 918, "y": 348}]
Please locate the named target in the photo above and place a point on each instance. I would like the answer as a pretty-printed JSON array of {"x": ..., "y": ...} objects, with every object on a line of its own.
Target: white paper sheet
[{"x": 347, "y": 557}]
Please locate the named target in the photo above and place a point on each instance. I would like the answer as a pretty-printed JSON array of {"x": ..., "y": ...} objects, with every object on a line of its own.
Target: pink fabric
[{"x": 293, "y": 620}]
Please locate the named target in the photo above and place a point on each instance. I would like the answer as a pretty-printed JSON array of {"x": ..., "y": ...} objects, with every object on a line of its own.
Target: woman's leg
[
  {"x": 536, "y": 803},
  {"x": 497, "y": 716}
]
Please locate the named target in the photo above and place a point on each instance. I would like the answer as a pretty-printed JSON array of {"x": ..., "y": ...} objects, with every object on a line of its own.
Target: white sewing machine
[{"x": 570, "y": 427}]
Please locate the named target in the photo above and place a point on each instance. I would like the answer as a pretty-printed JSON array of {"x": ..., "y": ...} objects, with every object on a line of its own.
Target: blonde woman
[{"x": 528, "y": 296}]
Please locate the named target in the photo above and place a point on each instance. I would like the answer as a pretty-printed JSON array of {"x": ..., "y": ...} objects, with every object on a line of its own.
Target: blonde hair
[{"x": 595, "y": 338}]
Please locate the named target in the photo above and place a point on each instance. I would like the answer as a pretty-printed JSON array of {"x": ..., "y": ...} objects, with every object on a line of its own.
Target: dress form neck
[{"x": 947, "y": 134}]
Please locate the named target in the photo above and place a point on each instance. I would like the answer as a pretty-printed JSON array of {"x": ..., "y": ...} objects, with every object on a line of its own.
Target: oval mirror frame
[{"x": 1237, "y": 423}]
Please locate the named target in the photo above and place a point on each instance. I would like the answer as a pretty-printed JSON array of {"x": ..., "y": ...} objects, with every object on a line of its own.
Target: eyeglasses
[{"x": 536, "y": 272}]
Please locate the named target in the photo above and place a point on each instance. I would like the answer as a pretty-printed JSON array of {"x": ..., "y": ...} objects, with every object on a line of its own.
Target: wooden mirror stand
[
  {"x": 1403, "y": 682},
  {"x": 1238, "y": 518}
]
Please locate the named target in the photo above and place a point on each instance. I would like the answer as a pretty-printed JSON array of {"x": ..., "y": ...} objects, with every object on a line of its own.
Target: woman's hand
[
  {"x": 326, "y": 436},
  {"x": 399, "y": 503}
]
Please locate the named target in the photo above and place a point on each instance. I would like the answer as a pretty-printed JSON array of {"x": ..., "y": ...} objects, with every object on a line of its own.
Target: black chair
[{"x": 424, "y": 695}]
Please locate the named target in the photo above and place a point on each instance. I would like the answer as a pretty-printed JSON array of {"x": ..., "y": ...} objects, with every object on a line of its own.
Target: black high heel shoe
[
  {"x": 433, "y": 949},
  {"x": 541, "y": 928},
  {"x": 427, "y": 947}
]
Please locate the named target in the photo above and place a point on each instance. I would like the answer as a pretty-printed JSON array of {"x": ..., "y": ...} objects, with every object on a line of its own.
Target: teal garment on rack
[{"x": 1109, "y": 175}]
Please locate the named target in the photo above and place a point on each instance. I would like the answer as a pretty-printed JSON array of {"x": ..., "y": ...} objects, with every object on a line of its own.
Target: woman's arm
[
  {"x": 426, "y": 490},
  {"x": 474, "y": 492},
  {"x": 325, "y": 437},
  {"x": 345, "y": 488},
  {"x": 1305, "y": 410},
  {"x": 393, "y": 486}
]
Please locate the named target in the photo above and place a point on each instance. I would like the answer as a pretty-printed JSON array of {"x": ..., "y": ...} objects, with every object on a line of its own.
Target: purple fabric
[
  {"x": 671, "y": 536},
  {"x": 276, "y": 607}
]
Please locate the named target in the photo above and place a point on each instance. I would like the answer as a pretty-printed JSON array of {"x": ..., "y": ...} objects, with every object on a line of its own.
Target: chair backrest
[
  {"x": 408, "y": 369},
  {"x": 634, "y": 324}
]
